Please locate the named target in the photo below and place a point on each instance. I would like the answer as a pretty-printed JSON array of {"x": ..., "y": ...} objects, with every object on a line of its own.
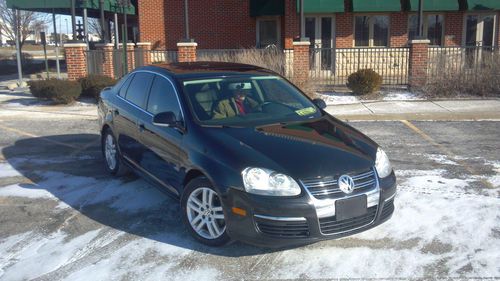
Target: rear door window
[
  {"x": 162, "y": 97},
  {"x": 123, "y": 85},
  {"x": 139, "y": 88}
]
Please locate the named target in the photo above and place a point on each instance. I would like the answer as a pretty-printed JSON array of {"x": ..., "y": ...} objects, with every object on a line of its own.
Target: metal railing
[
  {"x": 467, "y": 62},
  {"x": 135, "y": 58},
  {"x": 331, "y": 66}
]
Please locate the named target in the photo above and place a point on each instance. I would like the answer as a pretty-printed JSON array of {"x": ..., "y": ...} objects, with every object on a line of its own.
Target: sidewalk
[{"x": 442, "y": 110}]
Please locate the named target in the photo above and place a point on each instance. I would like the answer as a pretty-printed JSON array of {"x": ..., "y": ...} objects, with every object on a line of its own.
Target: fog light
[{"x": 239, "y": 211}]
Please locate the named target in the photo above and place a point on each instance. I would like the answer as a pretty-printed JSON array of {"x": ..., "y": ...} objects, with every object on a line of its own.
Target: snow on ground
[
  {"x": 7, "y": 170},
  {"x": 338, "y": 98},
  {"x": 442, "y": 227},
  {"x": 399, "y": 96}
]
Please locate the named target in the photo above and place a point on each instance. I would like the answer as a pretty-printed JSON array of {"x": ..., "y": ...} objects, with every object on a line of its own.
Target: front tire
[
  {"x": 203, "y": 213},
  {"x": 113, "y": 160}
]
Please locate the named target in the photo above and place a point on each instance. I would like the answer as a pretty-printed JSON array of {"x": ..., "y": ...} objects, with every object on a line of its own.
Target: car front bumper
[{"x": 280, "y": 222}]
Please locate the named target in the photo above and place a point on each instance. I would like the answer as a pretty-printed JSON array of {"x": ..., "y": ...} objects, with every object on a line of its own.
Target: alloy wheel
[
  {"x": 205, "y": 215},
  {"x": 110, "y": 152}
]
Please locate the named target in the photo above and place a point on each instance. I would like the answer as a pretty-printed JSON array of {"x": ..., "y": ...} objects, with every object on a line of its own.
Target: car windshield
[{"x": 247, "y": 101}]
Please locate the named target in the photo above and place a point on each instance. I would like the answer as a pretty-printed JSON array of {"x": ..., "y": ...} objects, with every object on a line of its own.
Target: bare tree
[
  {"x": 26, "y": 21},
  {"x": 95, "y": 27}
]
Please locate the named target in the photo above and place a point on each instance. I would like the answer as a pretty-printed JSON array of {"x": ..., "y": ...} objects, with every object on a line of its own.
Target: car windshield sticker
[{"x": 305, "y": 111}]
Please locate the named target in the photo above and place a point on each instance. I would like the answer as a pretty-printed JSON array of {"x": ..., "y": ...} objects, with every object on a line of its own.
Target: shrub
[
  {"x": 364, "y": 81},
  {"x": 59, "y": 91},
  {"x": 92, "y": 85}
]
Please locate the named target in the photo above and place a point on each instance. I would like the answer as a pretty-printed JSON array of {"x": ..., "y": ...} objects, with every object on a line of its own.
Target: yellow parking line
[
  {"x": 446, "y": 151},
  {"x": 23, "y": 133}
]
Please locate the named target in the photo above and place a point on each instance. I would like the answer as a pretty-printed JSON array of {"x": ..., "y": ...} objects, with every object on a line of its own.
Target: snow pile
[
  {"x": 399, "y": 96},
  {"x": 338, "y": 98},
  {"x": 7, "y": 171}
]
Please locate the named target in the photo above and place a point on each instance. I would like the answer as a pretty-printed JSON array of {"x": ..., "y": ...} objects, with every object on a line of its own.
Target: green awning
[
  {"x": 436, "y": 5},
  {"x": 321, "y": 6},
  {"x": 64, "y": 6},
  {"x": 481, "y": 5},
  {"x": 267, "y": 8},
  {"x": 376, "y": 5}
]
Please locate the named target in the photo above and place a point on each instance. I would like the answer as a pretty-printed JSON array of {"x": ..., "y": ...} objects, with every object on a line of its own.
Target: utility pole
[
  {"x": 73, "y": 18},
  {"x": 103, "y": 22},
  {"x": 420, "y": 32},
  {"x": 18, "y": 48},
  {"x": 58, "y": 67}
]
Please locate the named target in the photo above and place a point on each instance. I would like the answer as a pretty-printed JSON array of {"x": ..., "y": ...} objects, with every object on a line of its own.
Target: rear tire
[
  {"x": 113, "y": 160},
  {"x": 203, "y": 213}
]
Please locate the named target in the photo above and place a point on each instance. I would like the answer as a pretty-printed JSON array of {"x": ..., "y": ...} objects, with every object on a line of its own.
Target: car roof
[{"x": 203, "y": 69}]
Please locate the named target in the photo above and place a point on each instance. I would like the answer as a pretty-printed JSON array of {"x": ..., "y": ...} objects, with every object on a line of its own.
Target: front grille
[
  {"x": 331, "y": 226},
  {"x": 283, "y": 229},
  {"x": 388, "y": 209},
  {"x": 327, "y": 187}
]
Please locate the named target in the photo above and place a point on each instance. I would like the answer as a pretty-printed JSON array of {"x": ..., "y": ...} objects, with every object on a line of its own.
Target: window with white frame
[
  {"x": 371, "y": 31},
  {"x": 268, "y": 32},
  {"x": 433, "y": 28}
]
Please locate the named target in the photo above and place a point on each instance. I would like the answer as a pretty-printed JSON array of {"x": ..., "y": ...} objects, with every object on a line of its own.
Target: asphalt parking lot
[{"x": 63, "y": 217}]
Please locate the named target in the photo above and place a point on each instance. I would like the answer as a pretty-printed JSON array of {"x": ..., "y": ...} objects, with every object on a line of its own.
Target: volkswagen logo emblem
[{"x": 346, "y": 184}]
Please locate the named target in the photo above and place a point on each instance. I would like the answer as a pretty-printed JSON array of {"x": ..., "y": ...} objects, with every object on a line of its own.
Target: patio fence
[
  {"x": 135, "y": 58},
  {"x": 467, "y": 62},
  {"x": 333, "y": 66}
]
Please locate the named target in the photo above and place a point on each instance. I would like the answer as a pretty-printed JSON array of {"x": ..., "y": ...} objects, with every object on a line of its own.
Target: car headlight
[
  {"x": 267, "y": 182},
  {"x": 382, "y": 164}
]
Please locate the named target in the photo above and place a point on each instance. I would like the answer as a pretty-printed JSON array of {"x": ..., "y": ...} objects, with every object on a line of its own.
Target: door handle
[
  {"x": 141, "y": 127},
  {"x": 116, "y": 112}
]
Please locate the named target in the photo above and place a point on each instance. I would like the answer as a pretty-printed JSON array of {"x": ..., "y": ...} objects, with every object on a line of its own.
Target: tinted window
[
  {"x": 162, "y": 98},
  {"x": 124, "y": 83},
  {"x": 138, "y": 89}
]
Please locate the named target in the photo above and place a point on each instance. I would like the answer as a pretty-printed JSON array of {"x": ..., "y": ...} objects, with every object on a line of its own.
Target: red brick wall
[
  {"x": 453, "y": 28},
  {"x": 398, "y": 29},
  {"x": 214, "y": 24},
  {"x": 152, "y": 22},
  {"x": 345, "y": 30},
  {"x": 498, "y": 29}
]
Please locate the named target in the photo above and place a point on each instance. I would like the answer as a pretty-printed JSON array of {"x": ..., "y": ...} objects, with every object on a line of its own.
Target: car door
[
  {"x": 131, "y": 108},
  {"x": 162, "y": 144}
]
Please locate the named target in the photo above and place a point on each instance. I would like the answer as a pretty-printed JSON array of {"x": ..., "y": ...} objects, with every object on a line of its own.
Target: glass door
[
  {"x": 480, "y": 30},
  {"x": 479, "y": 36},
  {"x": 320, "y": 31}
]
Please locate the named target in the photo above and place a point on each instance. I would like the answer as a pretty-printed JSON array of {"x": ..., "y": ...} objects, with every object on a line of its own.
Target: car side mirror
[
  {"x": 165, "y": 119},
  {"x": 320, "y": 103}
]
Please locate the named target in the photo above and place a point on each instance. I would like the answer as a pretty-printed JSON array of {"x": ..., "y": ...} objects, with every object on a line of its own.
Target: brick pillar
[
  {"x": 186, "y": 51},
  {"x": 107, "y": 59},
  {"x": 301, "y": 62},
  {"x": 145, "y": 48},
  {"x": 419, "y": 57},
  {"x": 76, "y": 62}
]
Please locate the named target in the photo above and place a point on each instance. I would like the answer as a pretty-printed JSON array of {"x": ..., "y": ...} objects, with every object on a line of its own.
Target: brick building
[{"x": 229, "y": 24}]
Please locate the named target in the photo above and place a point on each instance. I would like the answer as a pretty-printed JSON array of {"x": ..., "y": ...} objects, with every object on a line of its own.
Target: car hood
[{"x": 315, "y": 148}]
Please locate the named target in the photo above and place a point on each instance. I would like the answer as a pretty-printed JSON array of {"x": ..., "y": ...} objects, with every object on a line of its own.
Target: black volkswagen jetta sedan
[{"x": 246, "y": 153}]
